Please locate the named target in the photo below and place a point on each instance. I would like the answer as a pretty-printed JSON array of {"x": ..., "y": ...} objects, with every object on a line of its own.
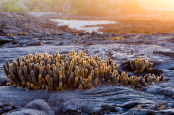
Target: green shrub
[{"x": 12, "y": 6}]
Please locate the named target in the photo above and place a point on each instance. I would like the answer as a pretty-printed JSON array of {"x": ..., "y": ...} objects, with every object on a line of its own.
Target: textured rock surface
[
  {"x": 3, "y": 81},
  {"x": 12, "y": 23},
  {"x": 6, "y": 107},
  {"x": 103, "y": 100},
  {"x": 21, "y": 97},
  {"x": 36, "y": 107}
]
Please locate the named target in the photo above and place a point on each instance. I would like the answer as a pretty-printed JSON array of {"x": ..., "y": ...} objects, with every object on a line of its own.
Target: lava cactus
[
  {"x": 140, "y": 65},
  {"x": 71, "y": 71}
]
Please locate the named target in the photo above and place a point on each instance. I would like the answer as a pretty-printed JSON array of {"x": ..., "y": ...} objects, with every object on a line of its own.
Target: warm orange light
[{"x": 157, "y": 3}]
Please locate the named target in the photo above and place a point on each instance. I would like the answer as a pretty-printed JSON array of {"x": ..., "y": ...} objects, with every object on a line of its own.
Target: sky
[{"x": 157, "y": 3}]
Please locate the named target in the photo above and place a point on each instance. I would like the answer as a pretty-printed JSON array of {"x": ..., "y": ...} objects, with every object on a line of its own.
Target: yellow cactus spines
[
  {"x": 86, "y": 73},
  {"x": 60, "y": 73},
  {"x": 10, "y": 66},
  {"x": 75, "y": 60},
  {"x": 43, "y": 86},
  {"x": 77, "y": 71},
  {"x": 117, "y": 78},
  {"x": 140, "y": 80},
  {"x": 60, "y": 78},
  {"x": 146, "y": 62},
  {"x": 69, "y": 81},
  {"x": 51, "y": 84},
  {"x": 29, "y": 55},
  {"x": 96, "y": 72},
  {"x": 51, "y": 56},
  {"x": 40, "y": 55},
  {"x": 80, "y": 87},
  {"x": 109, "y": 69},
  {"x": 133, "y": 80},
  {"x": 89, "y": 85},
  {"x": 113, "y": 67},
  {"x": 47, "y": 78},
  {"x": 86, "y": 81},
  {"x": 56, "y": 80},
  {"x": 43, "y": 80},
  {"x": 44, "y": 67},
  {"x": 90, "y": 78},
  {"x": 48, "y": 68},
  {"x": 70, "y": 54},
  {"x": 73, "y": 52},
  {"x": 83, "y": 84},
  {"x": 114, "y": 73},
  {"x": 12, "y": 80},
  {"x": 54, "y": 70},
  {"x": 126, "y": 80},
  {"x": 85, "y": 58},
  {"x": 92, "y": 73},
  {"x": 99, "y": 59},
  {"x": 24, "y": 81},
  {"x": 76, "y": 81},
  {"x": 6, "y": 70},
  {"x": 62, "y": 63},
  {"x": 123, "y": 75},
  {"x": 58, "y": 57},
  {"x": 140, "y": 65},
  {"x": 162, "y": 77},
  {"x": 95, "y": 82},
  {"x": 33, "y": 76},
  {"x": 157, "y": 79},
  {"x": 47, "y": 88},
  {"x": 23, "y": 59},
  {"x": 34, "y": 87},
  {"x": 66, "y": 66},
  {"x": 113, "y": 79},
  {"x": 70, "y": 68},
  {"x": 60, "y": 88},
  {"x": 109, "y": 77},
  {"x": 107, "y": 61},
  {"x": 84, "y": 64},
  {"x": 80, "y": 53},
  {"x": 81, "y": 61},
  {"x": 142, "y": 69},
  {"x": 40, "y": 80},
  {"x": 28, "y": 84},
  {"x": 116, "y": 38},
  {"x": 90, "y": 57},
  {"x": 30, "y": 66},
  {"x": 63, "y": 70}
]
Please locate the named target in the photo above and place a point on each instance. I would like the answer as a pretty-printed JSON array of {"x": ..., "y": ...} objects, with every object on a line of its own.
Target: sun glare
[{"x": 157, "y": 3}]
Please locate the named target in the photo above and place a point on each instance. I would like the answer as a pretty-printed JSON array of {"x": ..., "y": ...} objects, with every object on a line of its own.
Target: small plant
[
  {"x": 116, "y": 38},
  {"x": 140, "y": 65}
]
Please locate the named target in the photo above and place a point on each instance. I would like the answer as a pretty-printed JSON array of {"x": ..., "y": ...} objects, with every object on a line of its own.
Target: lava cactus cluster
[
  {"x": 140, "y": 65},
  {"x": 58, "y": 72},
  {"x": 71, "y": 71}
]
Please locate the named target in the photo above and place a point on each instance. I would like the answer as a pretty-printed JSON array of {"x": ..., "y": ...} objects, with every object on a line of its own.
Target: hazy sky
[{"x": 157, "y": 3}]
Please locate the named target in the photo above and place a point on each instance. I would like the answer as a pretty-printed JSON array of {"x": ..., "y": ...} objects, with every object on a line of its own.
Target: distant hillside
[
  {"x": 13, "y": 6},
  {"x": 79, "y": 7}
]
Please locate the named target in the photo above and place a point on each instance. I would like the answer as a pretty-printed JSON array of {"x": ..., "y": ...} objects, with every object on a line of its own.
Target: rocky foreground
[{"x": 153, "y": 99}]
